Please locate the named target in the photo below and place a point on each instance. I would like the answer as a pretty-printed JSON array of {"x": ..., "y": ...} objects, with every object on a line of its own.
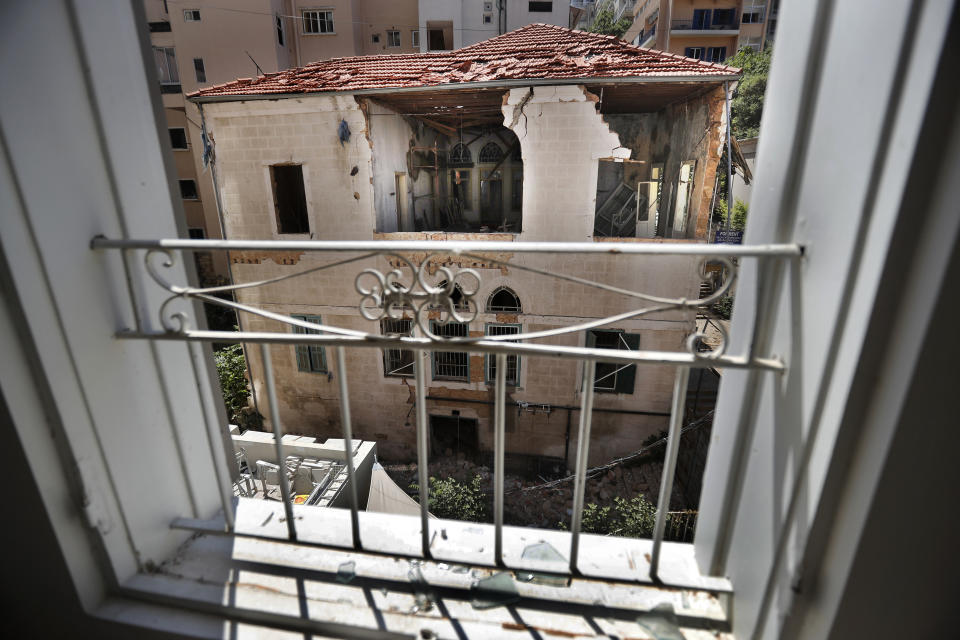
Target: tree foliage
[
  {"x": 740, "y": 208},
  {"x": 232, "y": 371},
  {"x": 747, "y": 103},
  {"x": 456, "y": 500},
  {"x": 632, "y": 518},
  {"x": 606, "y": 25}
]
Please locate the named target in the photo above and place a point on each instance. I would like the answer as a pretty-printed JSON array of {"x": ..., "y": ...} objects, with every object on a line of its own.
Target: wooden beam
[{"x": 442, "y": 128}]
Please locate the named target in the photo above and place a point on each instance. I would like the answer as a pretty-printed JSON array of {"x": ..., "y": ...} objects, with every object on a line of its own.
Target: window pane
[
  {"x": 173, "y": 76},
  {"x": 310, "y": 358},
  {"x": 453, "y": 365}
]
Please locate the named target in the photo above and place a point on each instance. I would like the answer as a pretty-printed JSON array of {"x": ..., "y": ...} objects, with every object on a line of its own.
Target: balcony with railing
[
  {"x": 830, "y": 429},
  {"x": 447, "y": 560}
]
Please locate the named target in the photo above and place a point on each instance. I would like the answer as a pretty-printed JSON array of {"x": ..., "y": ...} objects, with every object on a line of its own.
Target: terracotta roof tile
[{"x": 535, "y": 51}]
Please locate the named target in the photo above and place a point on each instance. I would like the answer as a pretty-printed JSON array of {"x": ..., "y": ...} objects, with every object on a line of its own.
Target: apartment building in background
[
  {"x": 710, "y": 30},
  {"x": 203, "y": 43},
  {"x": 451, "y": 24}
]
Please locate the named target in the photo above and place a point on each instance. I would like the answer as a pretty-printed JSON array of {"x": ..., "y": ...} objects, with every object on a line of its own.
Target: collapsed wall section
[{"x": 561, "y": 137}]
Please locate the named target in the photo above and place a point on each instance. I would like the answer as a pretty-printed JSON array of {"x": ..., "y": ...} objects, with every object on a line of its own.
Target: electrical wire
[{"x": 595, "y": 471}]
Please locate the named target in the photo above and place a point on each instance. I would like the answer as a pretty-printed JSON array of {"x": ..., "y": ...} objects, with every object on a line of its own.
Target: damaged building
[{"x": 540, "y": 134}]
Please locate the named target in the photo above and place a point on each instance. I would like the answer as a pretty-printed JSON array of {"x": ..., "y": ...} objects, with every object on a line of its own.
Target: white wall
[
  {"x": 832, "y": 176},
  {"x": 562, "y": 137}
]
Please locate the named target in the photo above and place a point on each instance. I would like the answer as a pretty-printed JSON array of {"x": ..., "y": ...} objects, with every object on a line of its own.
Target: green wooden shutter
[
  {"x": 303, "y": 358},
  {"x": 626, "y": 377}
]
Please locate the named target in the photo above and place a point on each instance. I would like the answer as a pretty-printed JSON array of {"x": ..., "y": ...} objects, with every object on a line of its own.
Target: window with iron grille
[
  {"x": 614, "y": 378},
  {"x": 393, "y": 38},
  {"x": 191, "y": 15},
  {"x": 397, "y": 362},
  {"x": 317, "y": 22},
  {"x": 451, "y": 365},
  {"x": 310, "y": 358},
  {"x": 513, "y": 360},
  {"x": 491, "y": 152},
  {"x": 503, "y": 299}
]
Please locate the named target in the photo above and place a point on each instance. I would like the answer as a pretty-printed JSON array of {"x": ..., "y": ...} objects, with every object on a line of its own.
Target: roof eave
[{"x": 489, "y": 84}]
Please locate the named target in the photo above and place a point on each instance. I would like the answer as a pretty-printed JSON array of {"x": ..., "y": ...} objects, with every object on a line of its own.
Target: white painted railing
[{"x": 411, "y": 290}]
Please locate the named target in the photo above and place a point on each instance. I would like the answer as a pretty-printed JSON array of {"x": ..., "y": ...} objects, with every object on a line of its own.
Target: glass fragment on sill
[
  {"x": 495, "y": 591},
  {"x": 543, "y": 551},
  {"x": 422, "y": 601},
  {"x": 661, "y": 623},
  {"x": 346, "y": 572}
]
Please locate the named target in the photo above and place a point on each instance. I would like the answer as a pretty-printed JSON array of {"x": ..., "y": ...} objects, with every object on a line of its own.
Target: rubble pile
[{"x": 529, "y": 503}]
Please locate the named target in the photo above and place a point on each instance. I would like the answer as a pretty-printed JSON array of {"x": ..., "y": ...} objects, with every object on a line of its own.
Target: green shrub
[
  {"x": 455, "y": 500},
  {"x": 632, "y": 518},
  {"x": 723, "y": 307},
  {"x": 232, "y": 371}
]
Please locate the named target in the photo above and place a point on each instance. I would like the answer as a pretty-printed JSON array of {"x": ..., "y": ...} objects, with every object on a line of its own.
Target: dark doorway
[{"x": 453, "y": 435}]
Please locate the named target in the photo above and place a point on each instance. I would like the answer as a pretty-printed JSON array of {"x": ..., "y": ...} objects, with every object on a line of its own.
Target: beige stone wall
[{"x": 561, "y": 139}]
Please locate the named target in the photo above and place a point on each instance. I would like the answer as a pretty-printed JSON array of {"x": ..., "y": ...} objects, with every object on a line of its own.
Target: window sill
[
  {"x": 329, "y": 33},
  {"x": 258, "y": 578}
]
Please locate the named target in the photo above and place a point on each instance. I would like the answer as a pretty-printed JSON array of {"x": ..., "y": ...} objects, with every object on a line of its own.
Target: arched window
[
  {"x": 503, "y": 299},
  {"x": 460, "y": 154},
  {"x": 491, "y": 152},
  {"x": 456, "y": 296}
]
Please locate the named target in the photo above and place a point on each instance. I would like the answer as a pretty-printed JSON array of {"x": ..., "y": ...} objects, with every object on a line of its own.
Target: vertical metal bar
[
  {"x": 499, "y": 438},
  {"x": 220, "y": 469},
  {"x": 348, "y": 447},
  {"x": 583, "y": 450},
  {"x": 669, "y": 464},
  {"x": 278, "y": 439},
  {"x": 422, "y": 471},
  {"x": 726, "y": 93}
]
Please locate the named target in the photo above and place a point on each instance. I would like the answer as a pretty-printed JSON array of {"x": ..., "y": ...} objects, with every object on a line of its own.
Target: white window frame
[
  {"x": 191, "y": 15},
  {"x": 166, "y": 70},
  {"x": 390, "y": 38},
  {"x": 415, "y": 38},
  {"x": 324, "y": 16}
]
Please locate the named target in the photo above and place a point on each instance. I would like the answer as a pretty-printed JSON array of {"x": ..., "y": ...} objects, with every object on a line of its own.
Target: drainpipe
[
  {"x": 664, "y": 18},
  {"x": 726, "y": 92}
]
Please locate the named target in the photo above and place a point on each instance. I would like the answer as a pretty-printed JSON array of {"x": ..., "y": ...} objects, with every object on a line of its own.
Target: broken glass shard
[
  {"x": 495, "y": 591},
  {"x": 661, "y": 622},
  {"x": 346, "y": 572}
]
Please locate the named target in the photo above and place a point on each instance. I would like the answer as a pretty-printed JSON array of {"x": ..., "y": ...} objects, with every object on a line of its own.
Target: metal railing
[
  {"x": 408, "y": 288},
  {"x": 691, "y": 25}
]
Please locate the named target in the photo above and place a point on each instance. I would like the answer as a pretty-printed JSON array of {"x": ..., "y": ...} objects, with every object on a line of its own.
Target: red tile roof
[{"x": 537, "y": 51}]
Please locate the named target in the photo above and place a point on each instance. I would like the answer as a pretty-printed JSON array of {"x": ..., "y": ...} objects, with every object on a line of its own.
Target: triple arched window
[{"x": 491, "y": 152}]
